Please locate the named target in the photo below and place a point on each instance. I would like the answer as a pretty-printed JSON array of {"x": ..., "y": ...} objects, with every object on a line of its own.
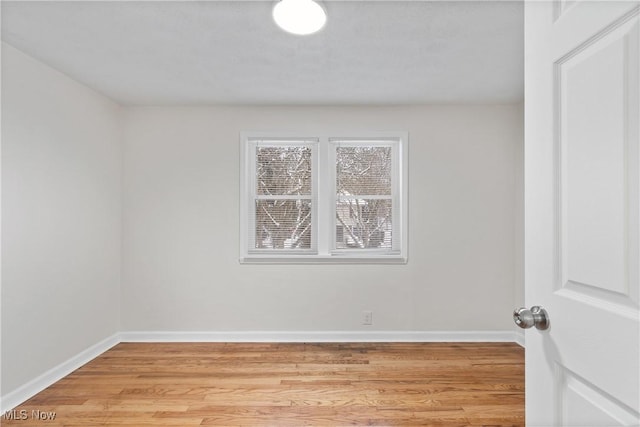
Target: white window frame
[{"x": 323, "y": 245}]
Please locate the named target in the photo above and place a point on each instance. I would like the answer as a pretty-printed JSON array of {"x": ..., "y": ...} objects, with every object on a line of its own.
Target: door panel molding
[
  {"x": 615, "y": 280},
  {"x": 594, "y": 406},
  {"x": 561, "y": 6},
  {"x": 594, "y": 298}
]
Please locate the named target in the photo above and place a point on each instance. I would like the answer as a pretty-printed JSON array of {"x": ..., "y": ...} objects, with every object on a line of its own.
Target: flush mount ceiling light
[{"x": 300, "y": 17}]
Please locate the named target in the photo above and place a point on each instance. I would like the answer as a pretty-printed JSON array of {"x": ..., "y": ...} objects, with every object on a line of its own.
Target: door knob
[{"x": 526, "y": 318}]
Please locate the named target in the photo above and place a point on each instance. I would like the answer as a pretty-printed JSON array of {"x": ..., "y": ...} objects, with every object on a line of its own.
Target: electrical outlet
[{"x": 367, "y": 317}]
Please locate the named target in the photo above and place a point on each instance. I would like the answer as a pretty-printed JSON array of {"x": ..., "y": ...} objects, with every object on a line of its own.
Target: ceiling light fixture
[{"x": 300, "y": 17}]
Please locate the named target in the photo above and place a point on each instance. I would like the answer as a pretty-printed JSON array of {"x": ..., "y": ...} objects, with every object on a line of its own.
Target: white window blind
[
  {"x": 323, "y": 198},
  {"x": 364, "y": 195},
  {"x": 282, "y": 217}
]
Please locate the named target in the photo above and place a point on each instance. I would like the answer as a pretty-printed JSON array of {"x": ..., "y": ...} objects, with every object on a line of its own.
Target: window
[{"x": 323, "y": 198}]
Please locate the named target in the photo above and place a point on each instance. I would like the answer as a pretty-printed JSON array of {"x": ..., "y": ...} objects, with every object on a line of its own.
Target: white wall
[
  {"x": 180, "y": 229},
  {"x": 61, "y": 218}
]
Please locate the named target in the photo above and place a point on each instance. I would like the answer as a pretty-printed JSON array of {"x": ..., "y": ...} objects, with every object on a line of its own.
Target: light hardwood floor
[{"x": 190, "y": 384}]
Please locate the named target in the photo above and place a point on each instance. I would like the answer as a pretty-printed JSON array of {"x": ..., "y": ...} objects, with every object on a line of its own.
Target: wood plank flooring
[{"x": 325, "y": 384}]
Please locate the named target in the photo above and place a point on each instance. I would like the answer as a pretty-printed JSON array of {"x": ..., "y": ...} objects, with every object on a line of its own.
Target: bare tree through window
[
  {"x": 364, "y": 197},
  {"x": 283, "y": 204}
]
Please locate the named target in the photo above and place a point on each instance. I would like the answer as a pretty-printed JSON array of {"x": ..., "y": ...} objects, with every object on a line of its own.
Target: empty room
[{"x": 337, "y": 212}]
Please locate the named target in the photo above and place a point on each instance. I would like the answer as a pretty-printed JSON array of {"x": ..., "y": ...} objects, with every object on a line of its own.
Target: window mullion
[
  {"x": 315, "y": 188},
  {"x": 323, "y": 175}
]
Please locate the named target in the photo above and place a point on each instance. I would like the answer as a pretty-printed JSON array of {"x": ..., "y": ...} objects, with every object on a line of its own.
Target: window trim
[{"x": 323, "y": 249}]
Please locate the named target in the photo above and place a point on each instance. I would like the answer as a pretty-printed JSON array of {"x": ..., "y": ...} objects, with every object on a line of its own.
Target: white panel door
[{"x": 582, "y": 190}]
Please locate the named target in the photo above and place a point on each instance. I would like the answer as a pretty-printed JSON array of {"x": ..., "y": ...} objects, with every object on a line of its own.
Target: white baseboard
[
  {"x": 519, "y": 338},
  {"x": 35, "y": 386},
  {"x": 318, "y": 336}
]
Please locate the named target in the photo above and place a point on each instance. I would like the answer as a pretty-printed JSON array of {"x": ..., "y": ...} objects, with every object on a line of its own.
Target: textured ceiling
[{"x": 231, "y": 52}]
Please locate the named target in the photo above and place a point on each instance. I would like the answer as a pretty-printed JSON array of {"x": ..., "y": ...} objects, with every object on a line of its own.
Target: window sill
[{"x": 323, "y": 259}]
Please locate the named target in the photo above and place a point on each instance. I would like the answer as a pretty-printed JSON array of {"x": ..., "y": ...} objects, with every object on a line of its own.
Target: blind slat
[
  {"x": 363, "y": 170},
  {"x": 364, "y": 224},
  {"x": 283, "y": 170},
  {"x": 364, "y": 205},
  {"x": 283, "y": 224}
]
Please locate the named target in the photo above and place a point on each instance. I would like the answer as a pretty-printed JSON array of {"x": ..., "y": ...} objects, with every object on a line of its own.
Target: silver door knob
[{"x": 526, "y": 318}]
